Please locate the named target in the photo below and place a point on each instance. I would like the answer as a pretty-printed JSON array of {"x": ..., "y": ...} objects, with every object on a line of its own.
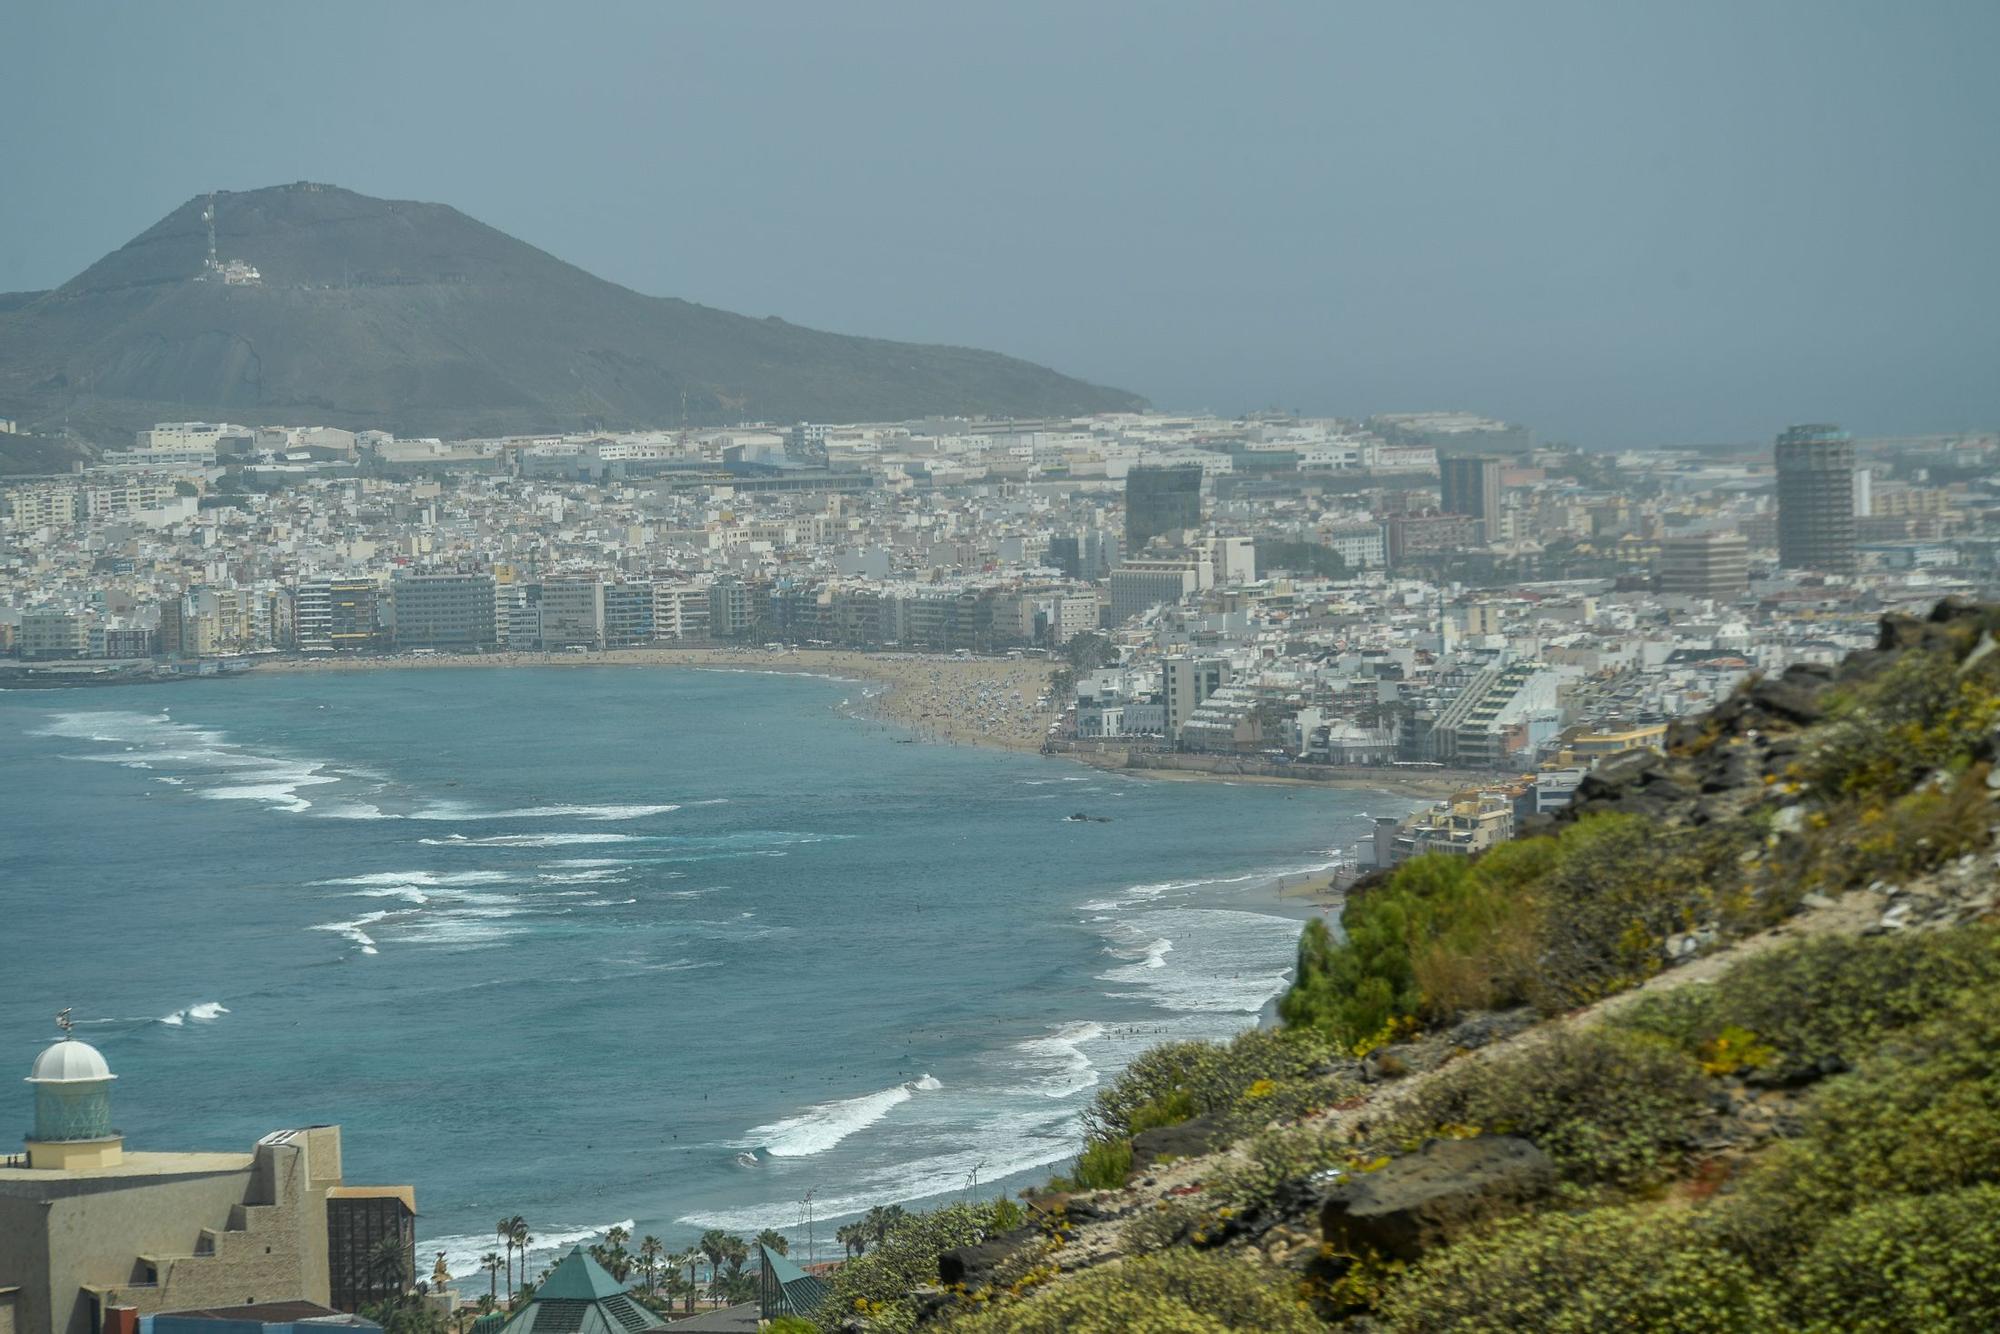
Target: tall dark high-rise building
[
  {"x": 1066, "y": 554},
  {"x": 1160, "y": 500},
  {"x": 1470, "y": 484},
  {"x": 1816, "y": 500}
]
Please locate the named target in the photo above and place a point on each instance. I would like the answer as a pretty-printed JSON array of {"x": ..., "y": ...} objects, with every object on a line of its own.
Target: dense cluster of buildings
[{"x": 1424, "y": 589}]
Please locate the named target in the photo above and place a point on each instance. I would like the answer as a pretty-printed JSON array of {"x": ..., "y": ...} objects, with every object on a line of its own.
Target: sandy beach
[{"x": 938, "y": 697}]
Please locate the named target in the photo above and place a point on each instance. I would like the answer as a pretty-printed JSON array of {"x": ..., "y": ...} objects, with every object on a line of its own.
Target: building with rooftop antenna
[{"x": 88, "y": 1225}]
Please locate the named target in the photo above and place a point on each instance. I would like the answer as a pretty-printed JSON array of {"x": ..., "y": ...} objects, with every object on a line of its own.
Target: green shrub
[
  {"x": 1561, "y": 1273},
  {"x": 1919, "y": 1115},
  {"x": 1440, "y": 918},
  {"x": 1173, "y": 1292},
  {"x": 1268, "y": 1161},
  {"x": 1828, "y": 998},
  {"x": 1558, "y": 921},
  {"x": 1622, "y": 886},
  {"x": 1260, "y": 1076},
  {"x": 1156, "y": 1078},
  {"x": 1606, "y": 1107},
  {"x": 1926, "y": 712},
  {"x": 1928, "y": 1262},
  {"x": 1104, "y": 1164},
  {"x": 878, "y": 1284}
]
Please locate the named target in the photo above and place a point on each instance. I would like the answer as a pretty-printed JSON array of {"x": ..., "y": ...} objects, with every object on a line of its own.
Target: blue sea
[{"x": 604, "y": 945}]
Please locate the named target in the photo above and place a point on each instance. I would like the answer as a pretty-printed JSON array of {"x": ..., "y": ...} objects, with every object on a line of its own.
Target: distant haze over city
[{"x": 1779, "y": 214}]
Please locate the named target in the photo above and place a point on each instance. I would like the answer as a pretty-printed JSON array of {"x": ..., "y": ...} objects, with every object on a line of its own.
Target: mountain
[{"x": 414, "y": 318}]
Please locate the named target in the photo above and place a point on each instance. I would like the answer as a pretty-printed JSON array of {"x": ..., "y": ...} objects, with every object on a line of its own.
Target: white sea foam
[
  {"x": 529, "y": 840},
  {"x": 203, "y": 1012},
  {"x": 463, "y": 1253},
  {"x": 426, "y": 879},
  {"x": 818, "y": 1129},
  {"x": 1056, "y": 1065},
  {"x": 591, "y": 876},
  {"x": 403, "y": 892},
  {"x": 451, "y": 811},
  {"x": 998, "y": 1147},
  {"x": 355, "y": 929},
  {"x": 1227, "y": 962},
  {"x": 153, "y": 741}
]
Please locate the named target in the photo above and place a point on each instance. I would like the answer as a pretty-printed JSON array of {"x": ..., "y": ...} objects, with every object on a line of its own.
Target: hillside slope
[
  {"x": 1716, "y": 1049},
  {"x": 414, "y": 318}
]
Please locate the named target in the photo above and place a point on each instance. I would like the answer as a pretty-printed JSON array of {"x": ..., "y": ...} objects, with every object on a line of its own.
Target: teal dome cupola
[{"x": 72, "y": 1093}]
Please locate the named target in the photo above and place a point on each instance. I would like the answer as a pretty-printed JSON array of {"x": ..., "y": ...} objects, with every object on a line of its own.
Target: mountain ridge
[{"x": 413, "y": 317}]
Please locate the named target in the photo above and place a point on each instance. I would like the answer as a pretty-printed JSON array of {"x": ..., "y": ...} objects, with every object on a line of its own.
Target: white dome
[{"x": 69, "y": 1060}]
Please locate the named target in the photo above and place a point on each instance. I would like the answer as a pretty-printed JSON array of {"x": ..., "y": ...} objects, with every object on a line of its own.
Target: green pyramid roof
[
  {"x": 781, "y": 1268},
  {"x": 578, "y": 1297},
  {"x": 786, "y": 1289},
  {"x": 578, "y": 1278}
]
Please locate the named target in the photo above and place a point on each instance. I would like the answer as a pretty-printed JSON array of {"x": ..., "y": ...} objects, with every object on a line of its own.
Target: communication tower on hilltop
[{"x": 235, "y": 273}]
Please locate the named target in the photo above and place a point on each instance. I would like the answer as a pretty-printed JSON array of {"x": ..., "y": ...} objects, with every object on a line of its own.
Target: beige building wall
[{"x": 164, "y": 1232}]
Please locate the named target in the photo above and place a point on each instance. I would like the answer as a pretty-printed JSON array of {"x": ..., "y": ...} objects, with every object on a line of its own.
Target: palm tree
[
  {"x": 688, "y": 1259},
  {"x": 650, "y": 1252},
  {"x": 389, "y": 1267},
  {"x": 880, "y": 1222},
  {"x": 491, "y": 1263},
  {"x": 714, "y": 1245},
  {"x": 616, "y": 1236},
  {"x": 506, "y": 1230},
  {"x": 521, "y": 1240},
  {"x": 774, "y": 1240},
  {"x": 853, "y": 1238}
]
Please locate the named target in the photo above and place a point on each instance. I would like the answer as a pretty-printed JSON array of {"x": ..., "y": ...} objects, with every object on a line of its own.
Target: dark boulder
[
  {"x": 1420, "y": 1200},
  {"x": 973, "y": 1266},
  {"x": 1189, "y": 1139},
  {"x": 1793, "y": 701},
  {"x": 1615, "y": 773}
]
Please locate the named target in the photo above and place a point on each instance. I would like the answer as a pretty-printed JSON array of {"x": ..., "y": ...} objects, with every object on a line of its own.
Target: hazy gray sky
[{"x": 1622, "y": 223}]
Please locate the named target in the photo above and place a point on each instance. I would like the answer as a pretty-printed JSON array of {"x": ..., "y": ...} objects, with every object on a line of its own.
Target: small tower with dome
[{"x": 72, "y": 1107}]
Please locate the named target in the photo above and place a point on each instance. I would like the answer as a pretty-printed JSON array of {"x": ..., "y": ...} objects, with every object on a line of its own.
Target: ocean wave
[
  {"x": 529, "y": 840},
  {"x": 155, "y": 741},
  {"x": 593, "y": 875},
  {"x": 1148, "y": 893},
  {"x": 202, "y": 1012},
  {"x": 1128, "y": 941},
  {"x": 446, "y": 811},
  {"x": 425, "y": 879},
  {"x": 356, "y": 929},
  {"x": 818, "y": 1129},
  {"x": 1000, "y": 1147},
  {"x": 1230, "y": 962},
  {"x": 462, "y": 1253},
  {"x": 1056, "y": 1064}
]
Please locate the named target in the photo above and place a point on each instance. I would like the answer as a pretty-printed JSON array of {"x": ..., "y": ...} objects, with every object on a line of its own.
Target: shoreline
[{"x": 940, "y": 699}]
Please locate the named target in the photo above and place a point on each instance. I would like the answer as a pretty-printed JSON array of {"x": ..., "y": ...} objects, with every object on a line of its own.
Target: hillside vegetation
[{"x": 1716, "y": 1049}]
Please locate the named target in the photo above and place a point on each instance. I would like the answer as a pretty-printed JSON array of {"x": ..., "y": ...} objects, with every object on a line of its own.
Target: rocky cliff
[{"x": 1717, "y": 1048}]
